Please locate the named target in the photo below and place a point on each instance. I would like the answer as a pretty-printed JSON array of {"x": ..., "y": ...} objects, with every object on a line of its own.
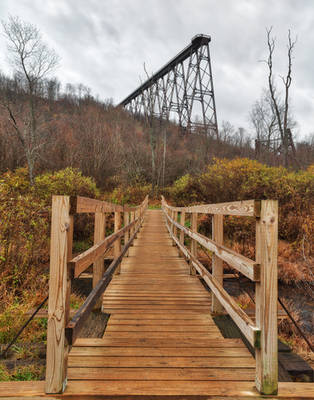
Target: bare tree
[
  {"x": 32, "y": 61},
  {"x": 281, "y": 117}
]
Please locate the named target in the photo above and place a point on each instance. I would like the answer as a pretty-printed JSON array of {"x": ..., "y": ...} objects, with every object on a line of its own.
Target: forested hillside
[{"x": 76, "y": 130}]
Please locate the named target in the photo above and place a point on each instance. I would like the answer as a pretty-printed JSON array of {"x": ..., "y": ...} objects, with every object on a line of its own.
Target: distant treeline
[{"x": 75, "y": 129}]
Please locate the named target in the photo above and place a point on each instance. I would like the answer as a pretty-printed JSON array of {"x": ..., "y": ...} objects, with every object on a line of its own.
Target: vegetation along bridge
[{"x": 161, "y": 339}]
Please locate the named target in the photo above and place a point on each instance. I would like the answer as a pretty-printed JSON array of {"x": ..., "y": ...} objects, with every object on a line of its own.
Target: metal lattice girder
[{"x": 181, "y": 90}]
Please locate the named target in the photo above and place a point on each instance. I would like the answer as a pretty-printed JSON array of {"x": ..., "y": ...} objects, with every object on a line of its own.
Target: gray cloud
[{"x": 103, "y": 44}]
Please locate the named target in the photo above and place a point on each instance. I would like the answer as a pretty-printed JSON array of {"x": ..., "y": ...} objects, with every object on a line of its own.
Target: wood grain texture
[
  {"x": 217, "y": 264},
  {"x": 117, "y": 243},
  {"x": 182, "y": 222},
  {"x": 126, "y": 221},
  {"x": 87, "y": 205},
  {"x": 266, "y": 297},
  {"x": 99, "y": 235},
  {"x": 58, "y": 285},
  {"x": 94, "y": 389},
  {"x": 245, "y": 208}
]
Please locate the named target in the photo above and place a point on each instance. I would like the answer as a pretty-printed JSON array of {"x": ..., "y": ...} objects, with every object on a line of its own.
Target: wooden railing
[
  {"x": 62, "y": 331},
  {"x": 261, "y": 334}
]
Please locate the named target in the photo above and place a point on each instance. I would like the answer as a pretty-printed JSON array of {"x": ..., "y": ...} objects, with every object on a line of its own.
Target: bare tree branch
[{"x": 32, "y": 61}]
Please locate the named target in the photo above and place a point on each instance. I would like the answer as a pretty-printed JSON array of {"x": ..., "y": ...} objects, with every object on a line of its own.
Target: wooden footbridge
[{"x": 160, "y": 340}]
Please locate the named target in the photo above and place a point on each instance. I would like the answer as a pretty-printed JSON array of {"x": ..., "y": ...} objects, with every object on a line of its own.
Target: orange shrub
[
  {"x": 244, "y": 179},
  {"x": 25, "y": 222}
]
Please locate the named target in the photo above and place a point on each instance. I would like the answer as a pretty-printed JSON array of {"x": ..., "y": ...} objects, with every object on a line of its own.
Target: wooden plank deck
[{"x": 160, "y": 339}]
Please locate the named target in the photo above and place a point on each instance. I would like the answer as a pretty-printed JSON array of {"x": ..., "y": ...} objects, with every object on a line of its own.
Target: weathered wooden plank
[
  {"x": 266, "y": 298},
  {"x": 165, "y": 317},
  {"x": 165, "y": 374},
  {"x": 160, "y": 323},
  {"x": 149, "y": 342},
  {"x": 87, "y": 205},
  {"x": 91, "y": 351},
  {"x": 165, "y": 362},
  {"x": 161, "y": 328},
  {"x": 228, "y": 389},
  {"x": 163, "y": 335},
  {"x": 151, "y": 302},
  {"x": 58, "y": 284},
  {"x": 246, "y": 208}
]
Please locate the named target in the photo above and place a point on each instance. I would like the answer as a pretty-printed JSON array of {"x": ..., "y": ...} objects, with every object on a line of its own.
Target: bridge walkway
[
  {"x": 160, "y": 336},
  {"x": 160, "y": 341}
]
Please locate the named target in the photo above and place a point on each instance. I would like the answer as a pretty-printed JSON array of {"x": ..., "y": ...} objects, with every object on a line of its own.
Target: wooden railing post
[
  {"x": 126, "y": 221},
  {"x": 175, "y": 217},
  {"x": 172, "y": 226},
  {"x": 117, "y": 243},
  {"x": 99, "y": 235},
  {"x": 137, "y": 216},
  {"x": 131, "y": 220},
  {"x": 58, "y": 304},
  {"x": 193, "y": 242},
  {"x": 266, "y": 293},
  {"x": 69, "y": 274},
  {"x": 182, "y": 222},
  {"x": 217, "y": 263}
]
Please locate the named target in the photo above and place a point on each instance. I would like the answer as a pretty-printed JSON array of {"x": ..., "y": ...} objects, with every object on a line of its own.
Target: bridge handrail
[
  {"x": 262, "y": 334},
  {"x": 245, "y": 208},
  {"x": 81, "y": 204},
  {"x": 61, "y": 332},
  {"x": 82, "y": 261}
]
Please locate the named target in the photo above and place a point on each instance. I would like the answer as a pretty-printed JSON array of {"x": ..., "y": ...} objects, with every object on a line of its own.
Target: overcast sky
[{"x": 104, "y": 43}]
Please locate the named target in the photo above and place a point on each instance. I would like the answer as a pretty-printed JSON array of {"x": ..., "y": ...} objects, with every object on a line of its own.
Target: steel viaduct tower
[{"x": 182, "y": 90}]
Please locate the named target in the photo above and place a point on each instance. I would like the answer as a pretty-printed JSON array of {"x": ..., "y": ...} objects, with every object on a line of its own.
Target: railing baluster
[
  {"x": 182, "y": 222},
  {"x": 194, "y": 227},
  {"x": 126, "y": 221},
  {"x": 69, "y": 272},
  {"x": 175, "y": 217},
  {"x": 266, "y": 293},
  {"x": 99, "y": 235},
  {"x": 217, "y": 263},
  {"x": 58, "y": 303},
  {"x": 117, "y": 243},
  {"x": 132, "y": 219}
]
